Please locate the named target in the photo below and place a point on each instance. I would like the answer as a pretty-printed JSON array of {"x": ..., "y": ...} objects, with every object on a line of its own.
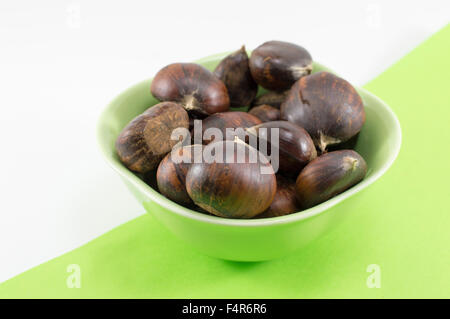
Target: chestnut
[
  {"x": 265, "y": 113},
  {"x": 171, "y": 173},
  {"x": 276, "y": 65},
  {"x": 147, "y": 138},
  {"x": 285, "y": 201},
  {"x": 295, "y": 146},
  {"x": 234, "y": 71},
  {"x": 193, "y": 86},
  {"x": 328, "y": 175},
  {"x": 229, "y": 187},
  {"x": 271, "y": 98},
  {"x": 228, "y": 120},
  {"x": 328, "y": 107}
]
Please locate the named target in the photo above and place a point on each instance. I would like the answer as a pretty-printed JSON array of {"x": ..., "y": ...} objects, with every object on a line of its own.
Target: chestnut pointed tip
[
  {"x": 351, "y": 162},
  {"x": 302, "y": 70},
  {"x": 324, "y": 141}
]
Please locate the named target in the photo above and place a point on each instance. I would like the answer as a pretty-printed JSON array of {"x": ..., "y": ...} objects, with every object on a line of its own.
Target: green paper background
[{"x": 404, "y": 226}]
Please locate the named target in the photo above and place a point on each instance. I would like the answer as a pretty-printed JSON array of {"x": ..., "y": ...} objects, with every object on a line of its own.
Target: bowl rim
[{"x": 173, "y": 207}]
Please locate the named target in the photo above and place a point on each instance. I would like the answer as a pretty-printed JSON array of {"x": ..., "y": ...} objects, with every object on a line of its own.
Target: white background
[{"x": 61, "y": 62}]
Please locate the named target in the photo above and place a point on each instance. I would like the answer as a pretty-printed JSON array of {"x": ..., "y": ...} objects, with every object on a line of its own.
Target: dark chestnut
[
  {"x": 328, "y": 107},
  {"x": 193, "y": 86},
  {"x": 265, "y": 113},
  {"x": 271, "y": 98},
  {"x": 234, "y": 71},
  {"x": 285, "y": 202},
  {"x": 276, "y": 65},
  {"x": 228, "y": 120},
  {"x": 171, "y": 174},
  {"x": 147, "y": 138},
  {"x": 232, "y": 187},
  {"x": 329, "y": 175},
  {"x": 295, "y": 146}
]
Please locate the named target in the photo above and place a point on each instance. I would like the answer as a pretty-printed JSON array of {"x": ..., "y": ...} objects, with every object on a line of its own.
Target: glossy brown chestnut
[
  {"x": 230, "y": 188},
  {"x": 265, "y": 113},
  {"x": 285, "y": 201},
  {"x": 329, "y": 175},
  {"x": 171, "y": 174},
  {"x": 193, "y": 86},
  {"x": 234, "y": 71},
  {"x": 295, "y": 146},
  {"x": 274, "y": 99},
  {"x": 146, "y": 139},
  {"x": 328, "y": 107},
  {"x": 276, "y": 65},
  {"x": 228, "y": 120}
]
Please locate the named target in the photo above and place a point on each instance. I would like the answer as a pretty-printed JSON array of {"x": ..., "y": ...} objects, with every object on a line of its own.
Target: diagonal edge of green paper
[{"x": 404, "y": 230}]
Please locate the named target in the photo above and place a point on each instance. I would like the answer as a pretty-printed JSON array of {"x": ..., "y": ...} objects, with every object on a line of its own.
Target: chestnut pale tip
[
  {"x": 299, "y": 71},
  {"x": 325, "y": 140},
  {"x": 351, "y": 162},
  {"x": 241, "y": 50},
  {"x": 190, "y": 102}
]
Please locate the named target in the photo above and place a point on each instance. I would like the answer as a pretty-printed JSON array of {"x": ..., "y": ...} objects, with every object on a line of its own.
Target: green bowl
[{"x": 253, "y": 239}]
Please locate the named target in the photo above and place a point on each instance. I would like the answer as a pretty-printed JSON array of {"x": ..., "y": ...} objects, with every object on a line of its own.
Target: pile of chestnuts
[{"x": 291, "y": 151}]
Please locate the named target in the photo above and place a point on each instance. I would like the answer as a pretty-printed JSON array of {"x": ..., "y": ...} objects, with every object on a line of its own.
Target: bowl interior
[{"x": 378, "y": 143}]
